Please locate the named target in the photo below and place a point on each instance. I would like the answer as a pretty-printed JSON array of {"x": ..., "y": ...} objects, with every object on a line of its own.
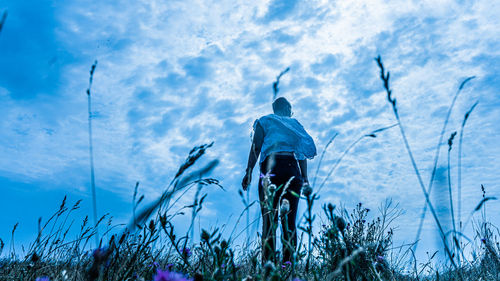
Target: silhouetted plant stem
[
  {"x": 309, "y": 221},
  {"x": 277, "y": 82},
  {"x": 436, "y": 157},
  {"x": 371, "y": 134},
  {"x": 452, "y": 213},
  {"x": 12, "y": 250},
  {"x": 392, "y": 101},
  {"x": 91, "y": 154},
  {"x": 321, "y": 158},
  {"x": 248, "y": 218},
  {"x": 459, "y": 182},
  {"x": 2, "y": 20},
  {"x": 247, "y": 206}
]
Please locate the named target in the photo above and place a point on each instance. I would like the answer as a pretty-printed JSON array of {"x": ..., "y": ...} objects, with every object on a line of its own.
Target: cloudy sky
[{"x": 175, "y": 74}]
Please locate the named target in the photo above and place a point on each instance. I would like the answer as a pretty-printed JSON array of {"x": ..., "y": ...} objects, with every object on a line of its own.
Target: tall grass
[
  {"x": 384, "y": 76},
  {"x": 2, "y": 19},
  {"x": 436, "y": 157},
  {"x": 344, "y": 245},
  {"x": 91, "y": 152}
]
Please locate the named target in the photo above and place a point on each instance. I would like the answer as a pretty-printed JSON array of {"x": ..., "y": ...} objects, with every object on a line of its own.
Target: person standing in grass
[{"x": 284, "y": 147}]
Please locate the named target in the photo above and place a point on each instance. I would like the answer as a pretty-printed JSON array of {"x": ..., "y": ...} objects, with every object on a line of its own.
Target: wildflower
[
  {"x": 380, "y": 259},
  {"x": 163, "y": 220},
  {"x": 223, "y": 244},
  {"x": 266, "y": 175},
  {"x": 35, "y": 258},
  {"x": 154, "y": 264},
  {"x": 268, "y": 267},
  {"x": 64, "y": 274},
  {"x": 186, "y": 252},
  {"x": 331, "y": 207},
  {"x": 205, "y": 236},
  {"x": 100, "y": 253},
  {"x": 266, "y": 179},
  {"x": 286, "y": 264},
  {"x": 44, "y": 278},
  {"x": 165, "y": 275},
  {"x": 340, "y": 223},
  {"x": 285, "y": 207},
  {"x": 306, "y": 189},
  {"x": 265, "y": 183}
]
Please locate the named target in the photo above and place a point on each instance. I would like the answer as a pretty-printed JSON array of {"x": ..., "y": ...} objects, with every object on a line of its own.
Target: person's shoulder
[
  {"x": 267, "y": 117},
  {"x": 261, "y": 121},
  {"x": 296, "y": 121}
]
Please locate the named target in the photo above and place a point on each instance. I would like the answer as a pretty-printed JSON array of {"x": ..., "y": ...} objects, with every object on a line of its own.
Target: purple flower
[
  {"x": 288, "y": 263},
  {"x": 99, "y": 253},
  {"x": 154, "y": 264},
  {"x": 380, "y": 258},
  {"x": 165, "y": 275},
  {"x": 266, "y": 175},
  {"x": 44, "y": 278},
  {"x": 186, "y": 252}
]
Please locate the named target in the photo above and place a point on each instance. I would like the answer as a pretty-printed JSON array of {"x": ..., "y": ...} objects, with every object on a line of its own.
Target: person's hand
[
  {"x": 306, "y": 189},
  {"x": 247, "y": 179}
]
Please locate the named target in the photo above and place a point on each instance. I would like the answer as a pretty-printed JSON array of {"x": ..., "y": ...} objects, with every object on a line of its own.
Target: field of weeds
[
  {"x": 347, "y": 247},
  {"x": 352, "y": 244}
]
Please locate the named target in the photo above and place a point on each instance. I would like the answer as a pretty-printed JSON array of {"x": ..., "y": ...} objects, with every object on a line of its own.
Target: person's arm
[
  {"x": 306, "y": 188},
  {"x": 258, "y": 139}
]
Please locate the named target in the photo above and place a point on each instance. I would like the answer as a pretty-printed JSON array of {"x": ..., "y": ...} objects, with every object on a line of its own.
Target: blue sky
[{"x": 175, "y": 74}]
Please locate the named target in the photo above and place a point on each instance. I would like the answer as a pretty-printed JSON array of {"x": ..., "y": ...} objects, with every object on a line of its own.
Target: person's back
[
  {"x": 283, "y": 133},
  {"x": 284, "y": 147}
]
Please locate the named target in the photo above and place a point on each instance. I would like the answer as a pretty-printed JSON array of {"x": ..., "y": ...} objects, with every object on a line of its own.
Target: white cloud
[{"x": 150, "y": 45}]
